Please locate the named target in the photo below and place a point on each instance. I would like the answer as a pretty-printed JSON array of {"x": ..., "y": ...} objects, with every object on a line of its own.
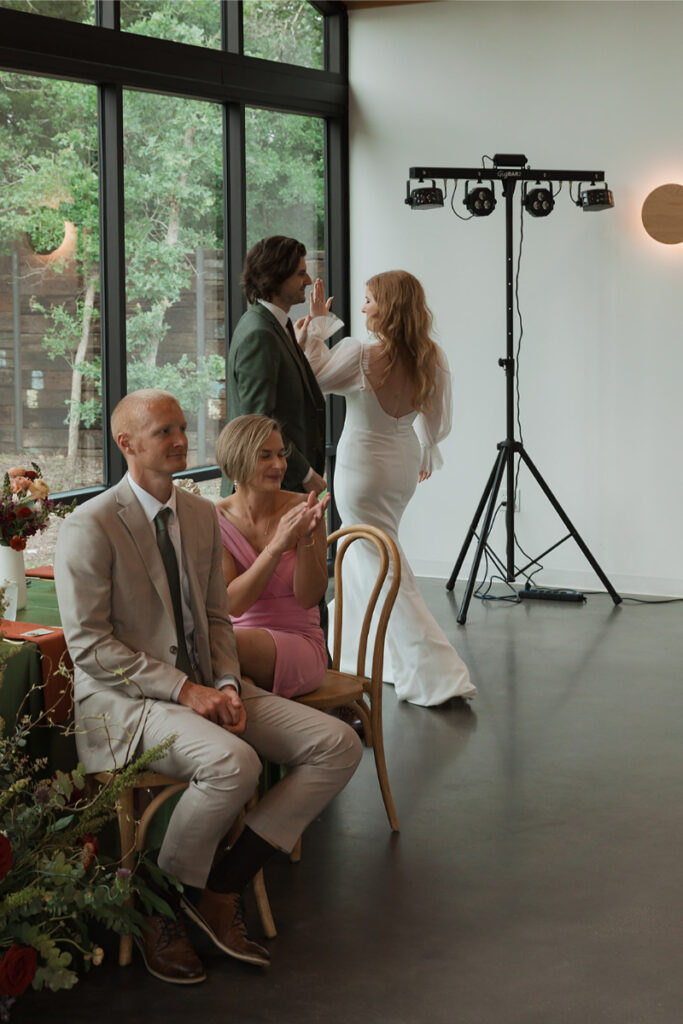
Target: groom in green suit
[{"x": 267, "y": 371}]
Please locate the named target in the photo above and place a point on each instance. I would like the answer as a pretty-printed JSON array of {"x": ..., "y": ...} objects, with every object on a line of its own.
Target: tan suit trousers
[{"x": 320, "y": 753}]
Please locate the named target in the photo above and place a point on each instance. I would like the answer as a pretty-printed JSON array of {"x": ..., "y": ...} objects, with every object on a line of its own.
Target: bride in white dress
[{"x": 398, "y": 407}]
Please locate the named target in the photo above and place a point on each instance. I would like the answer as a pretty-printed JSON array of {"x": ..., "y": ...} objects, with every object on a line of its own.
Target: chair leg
[
  {"x": 364, "y": 714},
  {"x": 382, "y": 775},
  {"x": 263, "y": 906},
  {"x": 295, "y": 855},
  {"x": 126, "y": 819}
]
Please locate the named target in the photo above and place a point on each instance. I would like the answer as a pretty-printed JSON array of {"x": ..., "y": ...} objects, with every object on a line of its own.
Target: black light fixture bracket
[{"x": 500, "y": 173}]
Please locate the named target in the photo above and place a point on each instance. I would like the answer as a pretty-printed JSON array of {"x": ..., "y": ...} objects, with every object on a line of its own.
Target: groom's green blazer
[{"x": 266, "y": 375}]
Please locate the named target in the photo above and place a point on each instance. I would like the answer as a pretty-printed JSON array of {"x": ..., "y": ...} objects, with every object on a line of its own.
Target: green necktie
[{"x": 170, "y": 561}]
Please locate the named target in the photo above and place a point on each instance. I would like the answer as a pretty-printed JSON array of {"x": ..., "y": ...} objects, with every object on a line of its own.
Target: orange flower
[
  {"x": 38, "y": 489},
  {"x": 16, "y": 471},
  {"x": 19, "y": 484},
  {"x": 17, "y": 543}
]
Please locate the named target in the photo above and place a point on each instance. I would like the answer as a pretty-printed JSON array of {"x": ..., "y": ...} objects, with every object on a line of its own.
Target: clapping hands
[{"x": 298, "y": 522}]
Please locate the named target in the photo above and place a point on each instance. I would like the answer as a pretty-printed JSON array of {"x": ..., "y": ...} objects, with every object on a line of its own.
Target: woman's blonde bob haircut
[
  {"x": 239, "y": 444},
  {"x": 403, "y": 325}
]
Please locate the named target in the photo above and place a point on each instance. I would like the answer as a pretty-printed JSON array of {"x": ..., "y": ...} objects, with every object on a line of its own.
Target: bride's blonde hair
[{"x": 402, "y": 324}]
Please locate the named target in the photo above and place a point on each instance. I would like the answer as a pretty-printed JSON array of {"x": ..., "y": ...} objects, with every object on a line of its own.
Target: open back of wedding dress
[{"x": 379, "y": 457}]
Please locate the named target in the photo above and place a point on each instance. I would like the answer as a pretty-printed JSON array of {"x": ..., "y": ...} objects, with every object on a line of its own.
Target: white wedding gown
[{"x": 379, "y": 457}]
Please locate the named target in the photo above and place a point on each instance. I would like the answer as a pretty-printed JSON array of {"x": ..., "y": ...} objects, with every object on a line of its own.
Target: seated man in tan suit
[{"x": 145, "y": 612}]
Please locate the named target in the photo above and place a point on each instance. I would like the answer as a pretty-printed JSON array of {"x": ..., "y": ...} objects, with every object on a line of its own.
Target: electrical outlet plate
[{"x": 503, "y": 499}]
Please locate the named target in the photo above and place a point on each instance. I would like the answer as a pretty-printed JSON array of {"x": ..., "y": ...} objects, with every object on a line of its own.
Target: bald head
[
  {"x": 133, "y": 411},
  {"x": 151, "y": 430}
]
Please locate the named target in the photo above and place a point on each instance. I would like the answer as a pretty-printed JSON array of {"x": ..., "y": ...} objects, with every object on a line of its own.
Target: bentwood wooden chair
[
  {"x": 133, "y": 832},
  {"x": 362, "y": 690}
]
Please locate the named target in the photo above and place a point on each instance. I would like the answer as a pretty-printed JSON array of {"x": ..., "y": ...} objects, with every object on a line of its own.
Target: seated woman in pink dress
[{"x": 274, "y": 561}]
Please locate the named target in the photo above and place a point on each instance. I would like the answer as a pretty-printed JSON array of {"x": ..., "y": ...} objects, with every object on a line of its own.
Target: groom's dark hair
[{"x": 268, "y": 264}]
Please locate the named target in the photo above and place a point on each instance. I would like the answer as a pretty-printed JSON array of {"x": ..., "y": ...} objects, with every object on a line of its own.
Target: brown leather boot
[
  {"x": 221, "y": 916},
  {"x": 168, "y": 953}
]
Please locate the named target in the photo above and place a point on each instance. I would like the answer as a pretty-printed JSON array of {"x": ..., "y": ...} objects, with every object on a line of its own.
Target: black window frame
[{"x": 112, "y": 59}]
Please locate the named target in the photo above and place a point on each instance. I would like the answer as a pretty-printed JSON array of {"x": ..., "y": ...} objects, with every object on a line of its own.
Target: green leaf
[{"x": 61, "y": 823}]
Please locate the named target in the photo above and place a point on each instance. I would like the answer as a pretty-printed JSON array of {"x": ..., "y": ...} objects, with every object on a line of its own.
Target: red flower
[
  {"x": 23, "y": 512},
  {"x": 17, "y": 969},
  {"x": 30, "y": 474},
  {"x": 5, "y": 855},
  {"x": 91, "y": 846},
  {"x": 17, "y": 543}
]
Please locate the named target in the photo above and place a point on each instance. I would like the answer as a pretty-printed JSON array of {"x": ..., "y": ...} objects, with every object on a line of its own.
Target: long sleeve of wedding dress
[
  {"x": 342, "y": 370},
  {"x": 338, "y": 370}
]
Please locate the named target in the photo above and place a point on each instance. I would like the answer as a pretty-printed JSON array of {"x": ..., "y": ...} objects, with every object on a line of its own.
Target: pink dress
[{"x": 301, "y": 655}]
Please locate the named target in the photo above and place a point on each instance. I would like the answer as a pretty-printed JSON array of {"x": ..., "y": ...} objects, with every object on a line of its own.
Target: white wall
[{"x": 571, "y": 85}]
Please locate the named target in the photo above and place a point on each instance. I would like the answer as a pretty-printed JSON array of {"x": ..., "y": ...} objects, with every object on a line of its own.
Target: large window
[
  {"x": 184, "y": 21},
  {"x": 50, "y": 349},
  {"x": 69, "y": 10},
  {"x": 133, "y": 175},
  {"x": 286, "y": 182},
  {"x": 175, "y": 307},
  {"x": 291, "y": 31}
]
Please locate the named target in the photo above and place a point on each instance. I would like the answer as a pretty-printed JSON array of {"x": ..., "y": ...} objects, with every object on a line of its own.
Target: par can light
[
  {"x": 539, "y": 202},
  {"x": 481, "y": 201}
]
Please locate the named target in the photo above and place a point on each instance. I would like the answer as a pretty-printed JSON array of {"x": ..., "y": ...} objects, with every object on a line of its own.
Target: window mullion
[{"x": 113, "y": 262}]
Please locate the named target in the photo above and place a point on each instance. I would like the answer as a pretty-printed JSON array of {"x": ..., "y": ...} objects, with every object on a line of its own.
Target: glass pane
[
  {"x": 50, "y": 357},
  {"x": 68, "y": 10},
  {"x": 174, "y": 258},
  {"x": 285, "y": 170},
  {"x": 181, "y": 21},
  {"x": 288, "y": 31}
]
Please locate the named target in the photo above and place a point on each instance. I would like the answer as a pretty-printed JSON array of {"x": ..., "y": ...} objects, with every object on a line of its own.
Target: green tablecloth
[
  {"x": 23, "y": 673},
  {"x": 42, "y": 604},
  {"x": 21, "y": 679}
]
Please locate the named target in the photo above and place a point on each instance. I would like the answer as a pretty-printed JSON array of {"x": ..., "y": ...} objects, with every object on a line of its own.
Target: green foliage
[
  {"x": 69, "y": 10},
  {"x": 285, "y": 176},
  {"x": 53, "y": 883},
  {"x": 45, "y": 229},
  {"x": 184, "y": 21},
  {"x": 289, "y": 31}
]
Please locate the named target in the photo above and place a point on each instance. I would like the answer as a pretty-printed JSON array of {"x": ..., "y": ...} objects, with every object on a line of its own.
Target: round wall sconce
[{"x": 662, "y": 214}]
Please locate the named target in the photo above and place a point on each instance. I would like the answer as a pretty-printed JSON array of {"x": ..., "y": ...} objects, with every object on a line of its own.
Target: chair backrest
[{"x": 389, "y": 566}]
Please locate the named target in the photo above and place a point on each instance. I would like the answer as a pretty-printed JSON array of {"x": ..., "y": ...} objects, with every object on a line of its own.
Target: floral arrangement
[
  {"x": 25, "y": 507},
  {"x": 187, "y": 484},
  {"x": 54, "y": 883}
]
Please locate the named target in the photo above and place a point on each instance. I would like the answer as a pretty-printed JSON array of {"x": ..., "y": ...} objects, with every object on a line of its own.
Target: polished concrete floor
[{"x": 537, "y": 876}]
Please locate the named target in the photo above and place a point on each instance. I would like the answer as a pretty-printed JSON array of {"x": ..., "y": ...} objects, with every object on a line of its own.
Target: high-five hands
[
  {"x": 317, "y": 304},
  {"x": 318, "y": 307}
]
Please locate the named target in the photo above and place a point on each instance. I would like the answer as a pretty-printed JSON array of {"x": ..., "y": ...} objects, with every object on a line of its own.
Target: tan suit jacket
[{"x": 117, "y": 613}]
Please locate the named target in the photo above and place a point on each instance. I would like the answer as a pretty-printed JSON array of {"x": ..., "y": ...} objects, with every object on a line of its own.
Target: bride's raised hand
[{"x": 317, "y": 304}]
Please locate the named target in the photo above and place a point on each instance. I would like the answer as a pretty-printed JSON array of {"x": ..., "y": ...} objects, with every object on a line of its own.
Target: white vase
[{"x": 12, "y": 568}]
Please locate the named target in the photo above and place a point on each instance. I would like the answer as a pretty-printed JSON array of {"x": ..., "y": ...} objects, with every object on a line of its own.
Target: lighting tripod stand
[{"x": 509, "y": 171}]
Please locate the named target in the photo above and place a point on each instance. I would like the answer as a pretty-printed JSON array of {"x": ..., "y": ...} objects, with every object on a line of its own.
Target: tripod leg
[
  {"x": 473, "y": 528},
  {"x": 570, "y": 526},
  {"x": 497, "y": 475}
]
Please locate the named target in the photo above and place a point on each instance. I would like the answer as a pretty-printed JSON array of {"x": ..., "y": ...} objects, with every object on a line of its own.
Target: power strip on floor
[{"x": 546, "y": 594}]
